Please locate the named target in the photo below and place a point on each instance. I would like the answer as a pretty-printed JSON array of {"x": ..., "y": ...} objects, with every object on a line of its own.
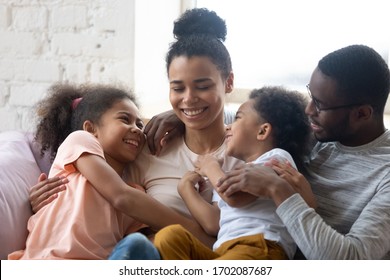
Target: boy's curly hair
[{"x": 285, "y": 111}]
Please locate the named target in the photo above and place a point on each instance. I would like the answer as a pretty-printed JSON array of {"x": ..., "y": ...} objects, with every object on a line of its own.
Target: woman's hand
[
  {"x": 295, "y": 179},
  {"x": 161, "y": 128},
  {"x": 45, "y": 191}
]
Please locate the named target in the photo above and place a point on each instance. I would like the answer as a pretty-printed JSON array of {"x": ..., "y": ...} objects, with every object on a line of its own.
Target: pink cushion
[
  {"x": 43, "y": 161},
  {"x": 19, "y": 172}
]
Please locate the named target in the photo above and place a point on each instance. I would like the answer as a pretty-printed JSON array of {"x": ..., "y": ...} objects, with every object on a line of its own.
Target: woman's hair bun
[{"x": 200, "y": 21}]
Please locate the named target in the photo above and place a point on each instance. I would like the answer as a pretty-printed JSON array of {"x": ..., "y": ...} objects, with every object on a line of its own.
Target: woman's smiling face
[{"x": 197, "y": 90}]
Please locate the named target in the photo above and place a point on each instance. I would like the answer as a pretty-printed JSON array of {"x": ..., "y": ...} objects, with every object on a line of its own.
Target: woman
[{"x": 200, "y": 75}]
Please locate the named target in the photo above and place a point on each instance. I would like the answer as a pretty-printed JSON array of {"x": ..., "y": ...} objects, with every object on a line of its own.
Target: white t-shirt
[{"x": 257, "y": 217}]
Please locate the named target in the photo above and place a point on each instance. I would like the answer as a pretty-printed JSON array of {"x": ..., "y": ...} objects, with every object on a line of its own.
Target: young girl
[
  {"x": 99, "y": 132},
  {"x": 271, "y": 125}
]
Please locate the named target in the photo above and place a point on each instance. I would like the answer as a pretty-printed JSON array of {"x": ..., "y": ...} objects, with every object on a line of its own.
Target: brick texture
[{"x": 47, "y": 41}]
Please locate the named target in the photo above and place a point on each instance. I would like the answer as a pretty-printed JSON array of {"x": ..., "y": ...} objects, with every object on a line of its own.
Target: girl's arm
[
  {"x": 209, "y": 166},
  {"x": 205, "y": 213},
  {"x": 131, "y": 201}
]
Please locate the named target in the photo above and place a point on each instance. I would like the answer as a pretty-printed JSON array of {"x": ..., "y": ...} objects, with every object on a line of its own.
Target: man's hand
[
  {"x": 295, "y": 179},
  {"x": 258, "y": 180}
]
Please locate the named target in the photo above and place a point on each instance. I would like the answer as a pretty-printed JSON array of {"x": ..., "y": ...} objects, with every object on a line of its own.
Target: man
[{"x": 348, "y": 169}]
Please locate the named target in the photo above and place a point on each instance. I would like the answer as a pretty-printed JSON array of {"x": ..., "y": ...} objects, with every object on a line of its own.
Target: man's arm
[{"x": 367, "y": 238}]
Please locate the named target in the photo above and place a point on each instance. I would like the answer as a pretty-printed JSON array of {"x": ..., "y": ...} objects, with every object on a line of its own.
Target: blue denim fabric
[{"x": 135, "y": 246}]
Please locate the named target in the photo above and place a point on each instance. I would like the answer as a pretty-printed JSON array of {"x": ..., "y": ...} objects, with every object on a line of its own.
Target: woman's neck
[{"x": 205, "y": 141}]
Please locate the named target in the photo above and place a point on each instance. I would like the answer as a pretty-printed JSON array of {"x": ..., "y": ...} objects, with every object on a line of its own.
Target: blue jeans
[{"x": 135, "y": 246}]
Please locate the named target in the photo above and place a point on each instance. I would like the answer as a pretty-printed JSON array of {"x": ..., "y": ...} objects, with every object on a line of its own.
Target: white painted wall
[
  {"x": 112, "y": 41},
  {"x": 45, "y": 41}
]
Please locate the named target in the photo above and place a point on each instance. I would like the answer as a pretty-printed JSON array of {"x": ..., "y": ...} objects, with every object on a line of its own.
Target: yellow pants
[{"x": 176, "y": 243}]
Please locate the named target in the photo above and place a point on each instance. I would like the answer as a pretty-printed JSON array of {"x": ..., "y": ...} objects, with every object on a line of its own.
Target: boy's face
[{"x": 242, "y": 134}]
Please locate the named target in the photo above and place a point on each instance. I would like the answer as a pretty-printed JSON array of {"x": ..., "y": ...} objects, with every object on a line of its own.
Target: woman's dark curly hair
[
  {"x": 285, "y": 111},
  {"x": 58, "y": 117},
  {"x": 200, "y": 32}
]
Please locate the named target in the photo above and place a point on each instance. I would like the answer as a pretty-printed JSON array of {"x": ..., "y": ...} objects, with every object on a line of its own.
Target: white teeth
[
  {"x": 193, "y": 112},
  {"x": 129, "y": 141}
]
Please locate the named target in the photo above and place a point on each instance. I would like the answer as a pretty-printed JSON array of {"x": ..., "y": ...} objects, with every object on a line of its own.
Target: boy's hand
[{"x": 207, "y": 163}]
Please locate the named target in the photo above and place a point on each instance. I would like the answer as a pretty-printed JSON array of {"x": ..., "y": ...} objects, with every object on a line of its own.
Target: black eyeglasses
[{"x": 319, "y": 108}]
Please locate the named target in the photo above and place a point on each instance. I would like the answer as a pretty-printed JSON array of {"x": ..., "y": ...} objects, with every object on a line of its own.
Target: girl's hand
[
  {"x": 161, "y": 128},
  {"x": 295, "y": 179},
  {"x": 45, "y": 191}
]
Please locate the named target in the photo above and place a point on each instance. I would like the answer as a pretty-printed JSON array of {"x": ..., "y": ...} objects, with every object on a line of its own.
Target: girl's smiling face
[{"x": 120, "y": 132}]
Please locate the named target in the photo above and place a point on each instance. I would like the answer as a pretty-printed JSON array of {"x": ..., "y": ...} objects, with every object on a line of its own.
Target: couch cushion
[
  {"x": 19, "y": 171},
  {"x": 43, "y": 161}
]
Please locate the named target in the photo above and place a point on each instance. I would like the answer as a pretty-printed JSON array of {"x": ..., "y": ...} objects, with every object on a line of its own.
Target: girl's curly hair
[{"x": 57, "y": 118}]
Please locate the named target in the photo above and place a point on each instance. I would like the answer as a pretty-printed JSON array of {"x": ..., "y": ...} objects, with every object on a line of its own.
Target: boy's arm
[
  {"x": 210, "y": 167},
  {"x": 206, "y": 214}
]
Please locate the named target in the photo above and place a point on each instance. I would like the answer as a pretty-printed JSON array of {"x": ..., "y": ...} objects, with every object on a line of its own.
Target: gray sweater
[{"x": 352, "y": 187}]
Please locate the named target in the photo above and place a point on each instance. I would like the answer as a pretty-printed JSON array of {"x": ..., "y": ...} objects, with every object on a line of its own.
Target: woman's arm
[
  {"x": 205, "y": 213},
  {"x": 45, "y": 191},
  {"x": 130, "y": 201}
]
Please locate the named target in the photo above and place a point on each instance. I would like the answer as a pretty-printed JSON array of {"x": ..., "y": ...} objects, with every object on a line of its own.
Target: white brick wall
[
  {"x": 45, "y": 41},
  {"x": 4, "y": 16}
]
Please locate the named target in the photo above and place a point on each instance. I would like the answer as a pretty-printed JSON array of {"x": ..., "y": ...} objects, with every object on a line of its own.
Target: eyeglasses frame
[{"x": 319, "y": 109}]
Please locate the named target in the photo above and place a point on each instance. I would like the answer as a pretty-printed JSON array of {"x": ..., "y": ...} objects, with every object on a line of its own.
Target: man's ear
[
  {"x": 264, "y": 131},
  {"x": 229, "y": 83},
  {"x": 364, "y": 112},
  {"x": 90, "y": 127}
]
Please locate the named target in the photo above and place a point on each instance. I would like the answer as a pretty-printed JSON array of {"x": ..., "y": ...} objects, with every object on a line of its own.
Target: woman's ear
[
  {"x": 90, "y": 127},
  {"x": 264, "y": 131},
  {"x": 229, "y": 83}
]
